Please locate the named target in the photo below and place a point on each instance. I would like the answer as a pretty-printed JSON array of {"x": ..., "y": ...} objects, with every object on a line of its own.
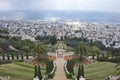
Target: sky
[{"x": 84, "y": 5}]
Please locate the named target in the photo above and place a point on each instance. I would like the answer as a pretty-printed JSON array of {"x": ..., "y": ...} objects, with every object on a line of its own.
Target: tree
[
  {"x": 12, "y": 56},
  {"x": 8, "y": 57},
  {"x": 15, "y": 39},
  {"x": 53, "y": 40},
  {"x": 3, "y": 56},
  {"x": 1, "y": 50},
  {"x": 39, "y": 49},
  {"x": 35, "y": 72},
  {"x": 115, "y": 52},
  {"x": 22, "y": 56},
  {"x": 27, "y": 56},
  {"x": 79, "y": 73},
  {"x": 70, "y": 65},
  {"x": 110, "y": 50},
  {"x": 81, "y": 50},
  {"x": 39, "y": 73},
  {"x": 99, "y": 44},
  {"x": 49, "y": 66},
  {"x": 4, "y": 31},
  {"x": 95, "y": 51},
  {"x": 25, "y": 48},
  {"x": 17, "y": 56},
  {"x": 82, "y": 70}
]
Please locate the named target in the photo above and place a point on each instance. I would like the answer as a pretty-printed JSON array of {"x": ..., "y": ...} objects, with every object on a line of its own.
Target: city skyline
[{"x": 83, "y": 5}]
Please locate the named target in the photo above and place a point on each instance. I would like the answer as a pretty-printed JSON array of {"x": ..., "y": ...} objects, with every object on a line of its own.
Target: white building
[{"x": 24, "y": 37}]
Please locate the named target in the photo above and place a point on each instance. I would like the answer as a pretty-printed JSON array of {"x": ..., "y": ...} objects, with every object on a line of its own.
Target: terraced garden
[
  {"x": 18, "y": 71},
  {"x": 98, "y": 70}
]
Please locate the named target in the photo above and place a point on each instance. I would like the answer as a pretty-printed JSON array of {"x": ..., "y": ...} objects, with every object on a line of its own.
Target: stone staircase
[{"x": 60, "y": 74}]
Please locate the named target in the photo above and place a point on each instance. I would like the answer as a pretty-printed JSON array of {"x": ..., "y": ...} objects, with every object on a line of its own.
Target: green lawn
[
  {"x": 18, "y": 71},
  {"x": 99, "y": 70}
]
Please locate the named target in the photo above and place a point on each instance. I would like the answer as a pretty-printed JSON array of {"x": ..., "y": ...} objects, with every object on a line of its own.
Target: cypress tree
[
  {"x": 39, "y": 73},
  {"x": 67, "y": 64},
  {"x": 79, "y": 73},
  {"x": 52, "y": 66},
  {"x": 82, "y": 71},
  {"x": 70, "y": 64},
  {"x": 69, "y": 67},
  {"x": 35, "y": 72},
  {"x": 72, "y": 67},
  {"x": 47, "y": 67}
]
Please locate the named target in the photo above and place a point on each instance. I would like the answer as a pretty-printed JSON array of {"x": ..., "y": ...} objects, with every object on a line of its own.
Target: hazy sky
[{"x": 94, "y": 5}]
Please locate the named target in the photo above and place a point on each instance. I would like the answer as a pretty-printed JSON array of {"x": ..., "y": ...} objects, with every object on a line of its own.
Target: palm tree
[
  {"x": 39, "y": 49},
  {"x": 81, "y": 50}
]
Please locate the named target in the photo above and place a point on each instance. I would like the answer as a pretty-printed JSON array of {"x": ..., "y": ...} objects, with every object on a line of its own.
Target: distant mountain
[{"x": 87, "y": 16}]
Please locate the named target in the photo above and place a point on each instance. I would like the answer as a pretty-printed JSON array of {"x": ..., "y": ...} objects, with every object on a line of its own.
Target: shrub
[
  {"x": 103, "y": 59},
  {"x": 51, "y": 75},
  {"x": 4, "y": 62},
  {"x": 69, "y": 75},
  {"x": 74, "y": 78},
  {"x": 45, "y": 77},
  {"x": 116, "y": 60},
  {"x": 9, "y": 61}
]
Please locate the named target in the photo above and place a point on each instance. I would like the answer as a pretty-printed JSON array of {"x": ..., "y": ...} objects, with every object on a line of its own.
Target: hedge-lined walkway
[{"x": 60, "y": 74}]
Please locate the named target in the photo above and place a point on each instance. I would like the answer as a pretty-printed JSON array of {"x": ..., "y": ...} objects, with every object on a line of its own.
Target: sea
[{"x": 84, "y": 16}]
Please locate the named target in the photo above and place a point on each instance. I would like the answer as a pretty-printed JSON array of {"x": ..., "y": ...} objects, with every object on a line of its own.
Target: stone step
[{"x": 60, "y": 74}]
